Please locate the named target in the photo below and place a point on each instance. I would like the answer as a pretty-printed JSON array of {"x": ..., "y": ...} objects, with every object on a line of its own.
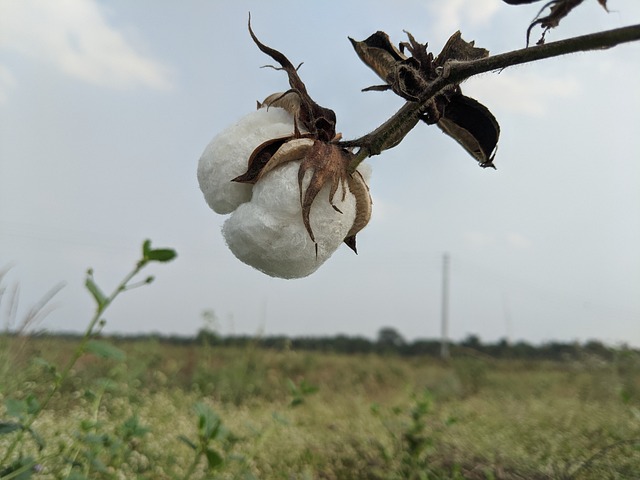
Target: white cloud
[
  {"x": 75, "y": 37},
  {"x": 525, "y": 93},
  {"x": 449, "y": 15}
]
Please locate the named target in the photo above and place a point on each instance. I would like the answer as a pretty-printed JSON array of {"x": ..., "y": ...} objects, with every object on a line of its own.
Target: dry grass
[{"x": 361, "y": 416}]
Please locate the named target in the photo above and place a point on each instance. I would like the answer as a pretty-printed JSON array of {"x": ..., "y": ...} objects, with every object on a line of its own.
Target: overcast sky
[{"x": 106, "y": 107}]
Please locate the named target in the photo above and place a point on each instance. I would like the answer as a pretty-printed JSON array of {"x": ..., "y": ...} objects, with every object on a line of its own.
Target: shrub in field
[
  {"x": 471, "y": 373},
  {"x": 22, "y": 413},
  {"x": 212, "y": 437}
]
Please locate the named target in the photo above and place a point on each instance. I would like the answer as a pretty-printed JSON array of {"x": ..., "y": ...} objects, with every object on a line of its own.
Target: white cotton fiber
[
  {"x": 268, "y": 232},
  {"x": 227, "y": 155}
]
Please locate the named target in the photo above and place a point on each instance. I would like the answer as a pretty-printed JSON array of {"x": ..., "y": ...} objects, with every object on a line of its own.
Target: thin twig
[{"x": 459, "y": 71}]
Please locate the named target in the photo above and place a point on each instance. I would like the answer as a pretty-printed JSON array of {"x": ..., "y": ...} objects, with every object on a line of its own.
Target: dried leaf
[
  {"x": 379, "y": 54},
  {"x": 558, "y": 9},
  {"x": 295, "y": 149},
  {"x": 519, "y": 2},
  {"x": 260, "y": 157},
  {"x": 420, "y": 57},
  {"x": 467, "y": 121},
  {"x": 473, "y": 126},
  {"x": 458, "y": 49}
]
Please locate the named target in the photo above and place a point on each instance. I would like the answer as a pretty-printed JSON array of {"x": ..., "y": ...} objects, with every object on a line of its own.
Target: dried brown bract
[
  {"x": 470, "y": 123},
  {"x": 317, "y": 120}
]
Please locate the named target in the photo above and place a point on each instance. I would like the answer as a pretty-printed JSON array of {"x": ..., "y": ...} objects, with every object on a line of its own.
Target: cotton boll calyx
[
  {"x": 269, "y": 234},
  {"x": 227, "y": 155}
]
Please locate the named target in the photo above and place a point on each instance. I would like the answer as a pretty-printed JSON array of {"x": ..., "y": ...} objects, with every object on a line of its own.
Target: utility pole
[
  {"x": 507, "y": 317},
  {"x": 444, "y": 333}
]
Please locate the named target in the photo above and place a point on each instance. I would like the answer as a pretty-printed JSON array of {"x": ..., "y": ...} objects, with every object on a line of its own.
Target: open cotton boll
[
  {"x": 366, "y": 171},
  {"x": 227, "y": 156},
  {"x": 268, "y": 232}
]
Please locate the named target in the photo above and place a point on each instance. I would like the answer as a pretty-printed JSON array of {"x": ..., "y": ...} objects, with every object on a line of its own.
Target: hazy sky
[{"x": 106, "y": 107}]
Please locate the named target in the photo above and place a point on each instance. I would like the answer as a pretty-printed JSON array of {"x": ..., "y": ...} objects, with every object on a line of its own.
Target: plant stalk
[{"x": 79, "y": 351}]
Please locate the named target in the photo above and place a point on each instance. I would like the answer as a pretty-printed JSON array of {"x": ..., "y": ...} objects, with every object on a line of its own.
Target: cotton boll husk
[
  {"x": 227, "y": 156},
  {"x": 268, "y": 232}
]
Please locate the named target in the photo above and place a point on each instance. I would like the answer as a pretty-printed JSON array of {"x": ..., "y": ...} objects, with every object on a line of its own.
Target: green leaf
[
  {"x": 162, "y": 255},
  {"x": 132, "y": 427},
  {"x": 307, "y": 388},
  {"x": 146, "y": 248},
  {"x": 15, "y": 408},
  {"x": 293, "y": 388},
  {"x": 20, "y": 469},
  {"x": 214, "y": 459},
  {"x": 106, "y": 384},
  {"x": 8, "y": 427},
  {"x": 33, "y": 406},
  {"x": 208, "y": 422},
  {"x": 156, "y": 254},
  {"x": 105, "y": 350},
  {"x": 47, "y": 366},
  {"x": 93, "y": 288},
  {"x": 296, "y": 401},
  {"x": 184, "y": 439}
]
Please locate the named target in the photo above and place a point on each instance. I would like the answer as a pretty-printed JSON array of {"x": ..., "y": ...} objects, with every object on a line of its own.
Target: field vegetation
[
  {"x": 149, "y": 408},
  {"x": 96, "y": 407}
]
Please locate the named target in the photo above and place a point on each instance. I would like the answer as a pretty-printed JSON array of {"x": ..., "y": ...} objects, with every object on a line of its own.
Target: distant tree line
[{"x": 388, "y": 341}]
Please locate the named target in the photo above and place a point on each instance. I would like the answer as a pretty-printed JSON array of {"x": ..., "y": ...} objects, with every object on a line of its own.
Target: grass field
[{"x": 153, "y": 410}]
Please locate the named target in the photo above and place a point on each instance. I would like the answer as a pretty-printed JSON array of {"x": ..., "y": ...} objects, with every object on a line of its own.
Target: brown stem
[{"x": 391, "y": 132}]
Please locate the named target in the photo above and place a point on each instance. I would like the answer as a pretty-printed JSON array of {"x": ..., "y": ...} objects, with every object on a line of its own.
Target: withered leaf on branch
[
  {"x": 473, "y": 126},
  {"x": 464, "y": 119},
  {"x": 379, "y": 54},
  {"x": 458, "y": 49},
  {"x": 558, "y": 10}
]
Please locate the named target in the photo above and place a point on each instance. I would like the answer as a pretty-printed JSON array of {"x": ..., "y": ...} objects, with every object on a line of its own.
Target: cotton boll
[
  {"x": 227, "y": 156},
  {"x": 366, "y": 171},
  {"x": 268, "y": 232}
]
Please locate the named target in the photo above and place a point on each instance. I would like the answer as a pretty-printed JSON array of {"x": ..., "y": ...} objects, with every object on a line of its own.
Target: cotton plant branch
[
  {"x": 454, "y": 72},
  {"x": 275, "y": 164}
]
